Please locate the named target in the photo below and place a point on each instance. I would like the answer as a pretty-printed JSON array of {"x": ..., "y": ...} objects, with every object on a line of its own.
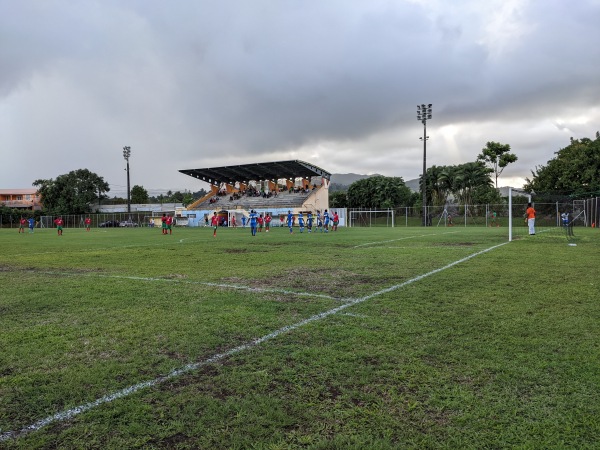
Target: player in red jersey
[
  {"x": 169, "y": 224},
  {"x": 267, "y": 222},
  {"x": 214, "y": 222},
  {"x": 22, "y": 224},
  {"x": 59, "y": 225},
  {"x": 88, "y": 222},
  {"x": 261, "y": 221}
]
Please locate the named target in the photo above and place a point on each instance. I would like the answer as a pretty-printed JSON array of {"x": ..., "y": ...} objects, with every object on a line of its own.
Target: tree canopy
[
  {"x": 139, "y": 195},
  {"x": 71, "y": 193},
  {"x": 379, "y": 192},
  {"x": 469, "y": 183},
  {"x": 497, "y": 156},
  {"x": 574, "y": 171}
]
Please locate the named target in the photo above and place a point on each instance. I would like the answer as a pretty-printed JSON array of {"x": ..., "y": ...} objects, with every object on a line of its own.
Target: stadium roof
[{"x": 256, "y": 172}]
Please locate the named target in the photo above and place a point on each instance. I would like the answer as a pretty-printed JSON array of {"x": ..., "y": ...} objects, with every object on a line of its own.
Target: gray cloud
[{"x": 195, "y": 84}]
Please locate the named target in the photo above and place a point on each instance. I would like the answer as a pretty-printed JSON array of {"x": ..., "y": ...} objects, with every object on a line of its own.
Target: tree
[
  {"x": 72, "y": 193},
  {"x": 497, "y": 156},
  {"x": 338, "y": 199},
  {"x": 469, "y": 179},
  {"x": 139, "y": 194},
  {"x": 379, "y": 192},
  {"x": 574, "y": 171}
]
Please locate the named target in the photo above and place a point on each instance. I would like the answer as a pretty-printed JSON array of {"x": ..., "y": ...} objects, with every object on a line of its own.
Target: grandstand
[{"x": 273, "y": 187}]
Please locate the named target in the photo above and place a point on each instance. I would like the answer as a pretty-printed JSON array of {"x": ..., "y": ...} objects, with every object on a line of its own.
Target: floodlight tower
[
  {"x": 424, "y": 114},
  {"x": 126, "y": 155}
]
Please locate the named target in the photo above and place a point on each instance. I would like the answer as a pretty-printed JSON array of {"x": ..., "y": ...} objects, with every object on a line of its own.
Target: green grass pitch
[{"x": 364, "y": 338}]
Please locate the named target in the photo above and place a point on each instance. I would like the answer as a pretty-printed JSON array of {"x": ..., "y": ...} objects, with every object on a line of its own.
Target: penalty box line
[{"x": 73, "y": 412}]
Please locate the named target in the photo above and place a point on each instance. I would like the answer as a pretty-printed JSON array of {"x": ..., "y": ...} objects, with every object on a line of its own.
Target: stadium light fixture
[
  {"x": 424, "y": 114},
  {"x": 126, "y": 155}
]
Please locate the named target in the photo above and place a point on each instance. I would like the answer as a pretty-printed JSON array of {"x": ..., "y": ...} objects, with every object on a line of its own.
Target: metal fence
[{"x": 102, "y": 220}]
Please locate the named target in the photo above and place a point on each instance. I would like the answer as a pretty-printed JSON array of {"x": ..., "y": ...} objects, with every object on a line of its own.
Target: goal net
[
  {"x": 556, "y": 216},
  {"x": 371, "y": 218}
]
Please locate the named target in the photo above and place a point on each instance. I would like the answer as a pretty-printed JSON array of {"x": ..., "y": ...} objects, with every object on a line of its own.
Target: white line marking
[
  {"x": 70, "y": 413},
  {"x": 202, "y": 283}
]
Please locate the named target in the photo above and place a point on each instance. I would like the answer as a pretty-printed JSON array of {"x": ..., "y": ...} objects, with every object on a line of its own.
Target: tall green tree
[
  {"x": 139, "y": 194},
  {"x": 379, "y": 192},
  {"x": 470, "y": 177},
  {"x": 496, "y": 156},
  {"x": 574, "y": 171},
  {"x": 71, "y": 193}
]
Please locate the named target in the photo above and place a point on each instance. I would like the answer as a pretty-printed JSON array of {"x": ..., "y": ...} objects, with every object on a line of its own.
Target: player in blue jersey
[
  {"x": 301, "y": 222},
  {"x": 290, "y": 221},
  {"x": 326, "y": 221},
  {"x": 253, "y": 220},
  {"x": 309, "y": 222}
]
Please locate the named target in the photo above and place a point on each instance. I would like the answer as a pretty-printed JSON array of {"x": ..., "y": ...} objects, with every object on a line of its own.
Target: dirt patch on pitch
[{"x": 337, "y": 283}]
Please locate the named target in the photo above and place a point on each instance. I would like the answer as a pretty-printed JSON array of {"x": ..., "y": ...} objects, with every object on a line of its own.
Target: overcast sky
[{"x": 196, "y": 83}]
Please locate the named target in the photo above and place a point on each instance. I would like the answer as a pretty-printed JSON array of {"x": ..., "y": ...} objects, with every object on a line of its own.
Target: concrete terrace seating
[{"x": 282, "y": 200}]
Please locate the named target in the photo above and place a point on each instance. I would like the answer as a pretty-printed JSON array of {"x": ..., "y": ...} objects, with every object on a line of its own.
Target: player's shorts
[{"x": 59, "y": 228}]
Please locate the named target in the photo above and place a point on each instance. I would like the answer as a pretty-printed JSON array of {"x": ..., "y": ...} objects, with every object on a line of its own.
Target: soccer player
[
  {"x": 214, "y": 222},
  {"x": 31, "y": 224},
  {"x": 59, "y": 225},
  {"x": 169, "y": 224},
  {"x": 253, "y": 219},
  {"x": 267, "y": 222},
  {"x": 290, "y": 221},
  {"x": 301, "y": 222},
  {"x": 233, "y": 222},
  {"x": 261, "y": 221},
  {"x": 164, "y": 223},
  {"x": 319, "y": 221},
  {"x": 336, "y": 220},
  {"x": 88, "y": 222},
  {"x": 326, "y": 221},
  {"x": 309, "y": 222},
  {"x": 22, "y": 224}
]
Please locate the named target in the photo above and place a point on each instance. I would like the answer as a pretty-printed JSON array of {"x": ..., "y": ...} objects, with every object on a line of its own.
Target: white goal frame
[{"x": 368, "y": 216}]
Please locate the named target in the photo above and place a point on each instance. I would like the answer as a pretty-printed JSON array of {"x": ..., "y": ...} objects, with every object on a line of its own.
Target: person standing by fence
[{"x": 530, "y": 216}]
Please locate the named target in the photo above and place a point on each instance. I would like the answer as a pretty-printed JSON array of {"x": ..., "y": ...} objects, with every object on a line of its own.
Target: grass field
[{"x": 373, "y": 338}]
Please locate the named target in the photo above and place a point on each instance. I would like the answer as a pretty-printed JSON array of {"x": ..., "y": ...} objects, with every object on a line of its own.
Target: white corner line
[{"x": 70, "y": 413}]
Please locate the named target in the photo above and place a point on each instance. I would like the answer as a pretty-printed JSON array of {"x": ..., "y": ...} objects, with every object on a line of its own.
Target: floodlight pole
[
  {"x": 423, "y": 114},
  {"x": 126, "y": 155}
]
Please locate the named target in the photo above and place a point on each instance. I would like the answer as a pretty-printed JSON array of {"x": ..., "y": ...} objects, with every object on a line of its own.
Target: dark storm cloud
[{"x": 194, "y": 84}]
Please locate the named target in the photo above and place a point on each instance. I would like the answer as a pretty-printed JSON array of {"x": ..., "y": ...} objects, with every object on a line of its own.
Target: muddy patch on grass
[{"x": 337, "y": 283}]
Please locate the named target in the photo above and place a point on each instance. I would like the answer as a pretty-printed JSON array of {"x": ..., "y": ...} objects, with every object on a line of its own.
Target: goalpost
[
  {"x": 371, "y": 218},
  {"x": 555, "y": 215}
]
